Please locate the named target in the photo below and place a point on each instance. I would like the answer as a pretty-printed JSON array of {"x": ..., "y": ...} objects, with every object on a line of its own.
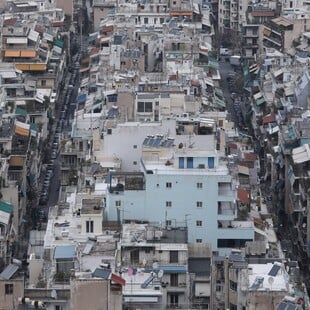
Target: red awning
[{"x": 117, "y": 279}]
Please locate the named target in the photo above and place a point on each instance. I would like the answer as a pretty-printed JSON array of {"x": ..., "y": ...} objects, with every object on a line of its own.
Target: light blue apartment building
[{"x": 181, "y": 187}]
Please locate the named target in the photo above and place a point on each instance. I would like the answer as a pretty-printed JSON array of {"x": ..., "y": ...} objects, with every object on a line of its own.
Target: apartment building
[
  {"x": 156, "y": 263},
  {"x": 156, "y": 192}
]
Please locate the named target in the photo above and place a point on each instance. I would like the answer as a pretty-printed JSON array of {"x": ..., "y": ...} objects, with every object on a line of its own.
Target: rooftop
[
  {"x": 267, "y": 277},
  {"x": 142, "y": 235}
]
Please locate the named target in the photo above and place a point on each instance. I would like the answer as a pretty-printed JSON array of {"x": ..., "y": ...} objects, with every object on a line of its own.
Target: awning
[
  {"x": 105, "y": 40},
  {"x": 117, "y": 279},
  {"x": 273, "y": 130},
  {"x": 8, "y": 74},
  {"x": 81, "y": 98},
  {"x": 6, "y": 207},
  {"x": 19, "y": 111},
  {"x": 180, "y": 13},
  {"x": 48, "y": 36},
  {"x": 141, "y": 299},
  {"x": 37, "y": 67},
  {"x": 31, "y": 67},
  {"x": 218, "y": 92},
  {"x": 219, "y": 102},
  {"x": 17, "y": 40},
  {"x": 278, "y": 72},
  {"x": 28, "y": 54},
  {"x": 11, "y": 53},
  {"x": 260, "y": 101},
  {"x": 213, "y": 63},
  {"x": 59, "y": 43},
  {"x": 301, "y": 154},
  {"x": 57, "y": 49},
  {"x": 84, "y": 69},
  {"x": 17, "y": 161},
  {"x": 22, "y": 129},
  {"x": 33, "y": 35},
  {"x": 257, "y": 95},
  {"x": 33, "y": 129},
  {"x": 267, "y": 32},
  {"x": 208, "y": 81},
  {"x": 289, "y": 91}
]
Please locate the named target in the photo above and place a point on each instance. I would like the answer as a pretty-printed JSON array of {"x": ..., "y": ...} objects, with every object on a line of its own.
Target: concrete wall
[
  {"x": 150, "y": 204},
  {"x": 66, "y": 5},
  {"x": 94, "y": 294},
  {"x": 10, "y": 301},
  {"x": 97, "y": 218}
]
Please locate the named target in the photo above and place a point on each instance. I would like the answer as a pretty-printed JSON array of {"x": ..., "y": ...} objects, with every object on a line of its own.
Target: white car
[{"x": 53, "y": 97}]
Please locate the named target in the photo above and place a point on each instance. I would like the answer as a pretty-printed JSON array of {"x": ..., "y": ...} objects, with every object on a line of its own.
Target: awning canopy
[
  {"x": 260, "y": 101},
  {"x": 301, "y": 154},
  {"x": 17, "y": 40},
  {"x": 28, "y": 54},
  {"x": 33, "y": 35},
  {"x": 11, "y": 53},
  {"x": 257, "y": 95},
  {"x": 219, "y": 102},
  {"x": 17, "y": 161},
  {"x": 22, "y": 128}
]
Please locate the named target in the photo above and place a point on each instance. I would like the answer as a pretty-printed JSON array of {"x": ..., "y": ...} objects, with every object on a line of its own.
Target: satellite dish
[
  {"x": 155, "y": 265},
  {"x": 54, "y": 294},
  {"x": 160, "y": 274}
]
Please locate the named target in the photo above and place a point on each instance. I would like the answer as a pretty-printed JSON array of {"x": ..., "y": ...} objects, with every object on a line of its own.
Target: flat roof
[{"x": 260, "y": 279}]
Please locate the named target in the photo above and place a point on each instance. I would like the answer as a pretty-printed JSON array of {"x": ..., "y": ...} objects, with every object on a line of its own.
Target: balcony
[
  {"x": 125, "y": 181},
  {"x": 272, "y": 40},
  {"x": 225, "y": 191},
  {"x": 226, "y": 210}
]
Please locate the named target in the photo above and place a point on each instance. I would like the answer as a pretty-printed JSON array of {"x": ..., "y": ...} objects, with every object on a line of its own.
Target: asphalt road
[{"x": 225, "y": 69}]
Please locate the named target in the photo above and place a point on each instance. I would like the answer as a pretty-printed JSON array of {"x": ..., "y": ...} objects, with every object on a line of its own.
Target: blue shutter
[
  {"x": 211, "y": 162},
  {"x": 181, "y": 162},
  {"x": 190, "y": 162}
]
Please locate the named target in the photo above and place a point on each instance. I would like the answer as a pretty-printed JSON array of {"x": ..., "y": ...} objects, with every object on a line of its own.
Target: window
[
  {"x": 43, "y": 82},
  {"x": 135, "y": 146},
  {"x": 218, "y": 287},
  {"x": 8, "y": 289},
  {"x": 168, "y": 204},
  {"x": 168, "y": 223},
  {"x": 146, "y": 20},
  {"x": 199, "y": 204},
  {"x": 168, "y": 185},
  {"x": 174, "y": 280},
  {"x": 57, "y": 307},
  {"x": 174, "y": 299},
  {"x": 181, "y": 162},
  {"x": 118, "y": 203},
  {"x": 198, "y": 240},
  {"x": 174, "y": 257},
  {"x": 145, "y": 107},
  {"x": 89, "y": 226},
  {"x": 199, "y": 223},
  {"x": 134, "y": 163},
  {"x": 199, "y": 185},
  {"x": 147, "y": 250},
  {"x": 233, "y": 285},
  {"x": 232, "y": 307},
  {"x": 190, "y": 162}
]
